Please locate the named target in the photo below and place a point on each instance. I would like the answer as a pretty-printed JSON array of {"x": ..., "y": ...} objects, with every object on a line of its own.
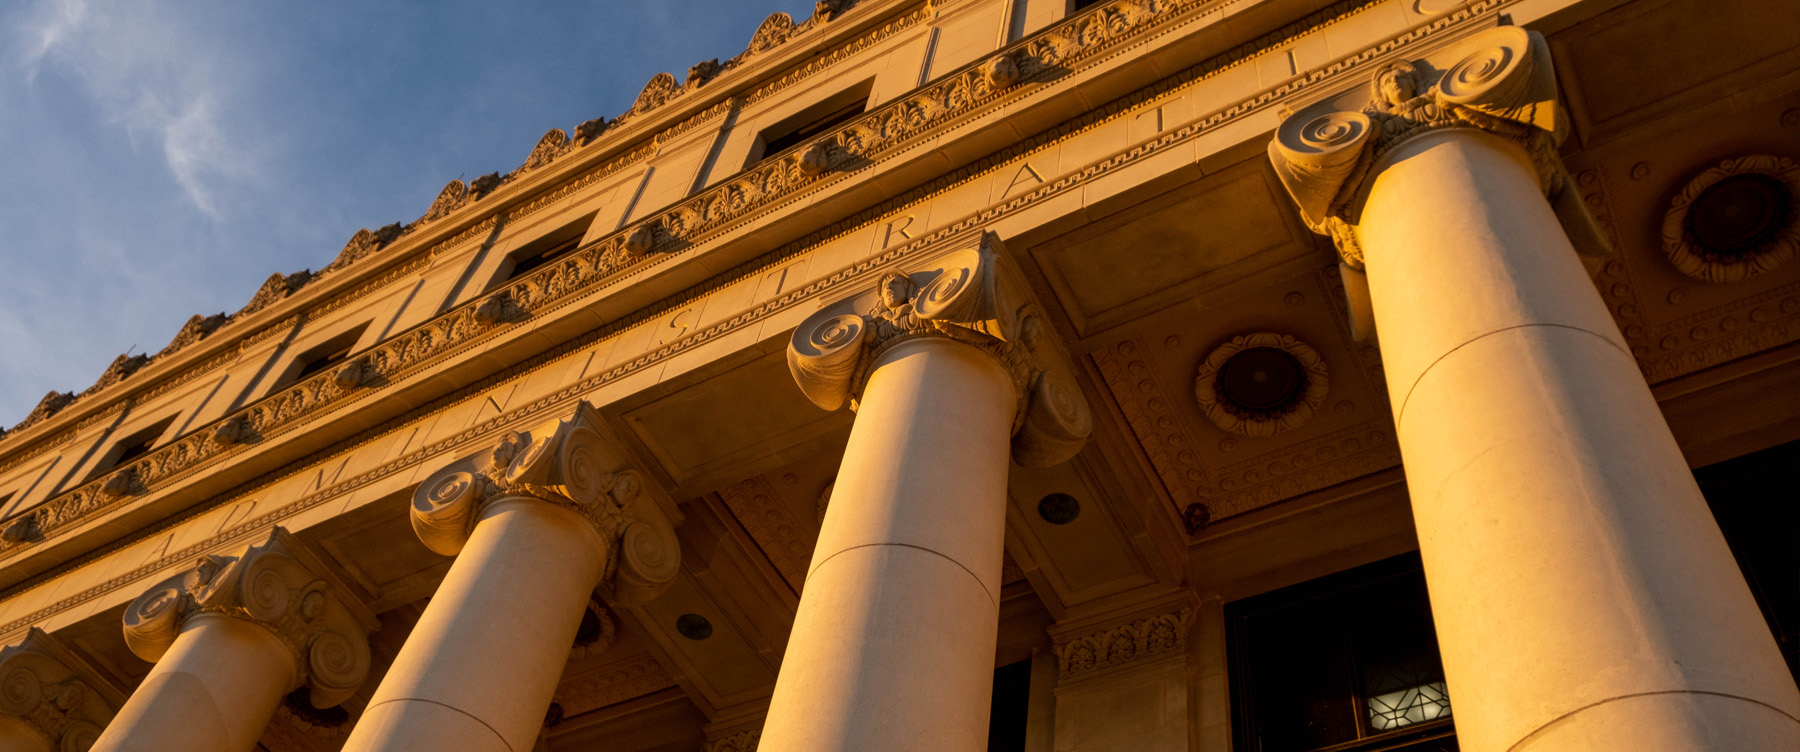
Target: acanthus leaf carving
[
  {"x": 548, "y": 148},
  {"x": 963, "y": 296},
  {"x": 275, "y": 289},
  {"x": 774, "y": 30},
  {"x": 279, "y": 585},
  {"x": 573, "y": 464},
  {"x": 1160, "y": 636},
  {"x": 655, "y": 93}
]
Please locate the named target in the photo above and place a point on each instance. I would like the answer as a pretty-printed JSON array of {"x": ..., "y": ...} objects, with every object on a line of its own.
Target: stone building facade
[{"x": 1213, "y": 375}]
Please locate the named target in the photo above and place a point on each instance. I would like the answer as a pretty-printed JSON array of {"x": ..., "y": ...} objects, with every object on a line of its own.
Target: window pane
[{"x": 1299, "y": 677}]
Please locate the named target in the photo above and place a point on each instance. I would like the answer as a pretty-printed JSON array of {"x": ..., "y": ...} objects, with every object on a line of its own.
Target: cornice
[{"x": 555, "y": 291}]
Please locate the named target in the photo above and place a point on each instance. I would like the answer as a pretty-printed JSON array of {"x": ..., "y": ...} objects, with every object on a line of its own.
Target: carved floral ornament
[
  {"x": 1503, "y": 84},
  {"x": 279, "y": 585},
  {"x": 1261, "y": 384},
  {"x": 54, "y": 693},
  {"x": 569, "y": 464},
  {"x": 965, "y": 296},
  {"x": 1151, "y": 637},
  {"x": 1735, "y": 220}
]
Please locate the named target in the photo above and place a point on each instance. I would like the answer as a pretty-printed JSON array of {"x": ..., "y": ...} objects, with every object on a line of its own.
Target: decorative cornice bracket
[
  {"x": 972, "y": 295},
  {"x": 574, "y": 463}
]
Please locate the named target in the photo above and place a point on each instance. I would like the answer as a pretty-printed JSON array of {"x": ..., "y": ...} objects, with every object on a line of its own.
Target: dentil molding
[
  {"x": 277, "y": 584},
  {"x": 968, "y": 296}
]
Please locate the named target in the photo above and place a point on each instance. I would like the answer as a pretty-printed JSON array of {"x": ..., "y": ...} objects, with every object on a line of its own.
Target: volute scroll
[{"x": 969, "y": 295}]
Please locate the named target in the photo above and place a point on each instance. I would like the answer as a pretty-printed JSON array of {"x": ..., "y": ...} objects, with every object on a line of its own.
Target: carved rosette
[
  {"x": 54, "y": 693},
  {"x": 1503, "y": 84},
  {"x": 964, "y": 296},
  {"x": 279, "y": 585},
  {"x": 571, "y": 464},
  {"x": 1290, "y": 409},
  {"x": 1758, "y": 195}
]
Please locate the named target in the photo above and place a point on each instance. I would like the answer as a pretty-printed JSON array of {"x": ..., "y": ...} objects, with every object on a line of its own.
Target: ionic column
[
  {"x": 535, "y": 523},
  {"x": 952, "y": 373},
  {"x": 1583, "y": 594},
  {"x": 50, "y": 699},
  {"x": 230, "y": 638}
]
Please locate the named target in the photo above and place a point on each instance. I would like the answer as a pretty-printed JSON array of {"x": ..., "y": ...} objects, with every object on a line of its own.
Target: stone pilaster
[{"x": 50, "y": 699}]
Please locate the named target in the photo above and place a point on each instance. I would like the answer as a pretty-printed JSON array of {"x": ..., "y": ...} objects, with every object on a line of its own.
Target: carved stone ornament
[
  {"x": 816, "y": 159},
  {"x": 485, "y": 184},
  {"x": 590, "y": 130},
  {"x": 231, "y": 432},
  {"x": 1502, "y": 84},
  {"x": 774, "y": 30},
  {"x": 1261, "y": 384},
  {"x": 966, "y": 296},
  {"x": 355, "y": 374},
  {"x": 1164, "y": 635},
  {"x": 454, "y": 194},
  {"x": 121, "y": 484},
  {"x": 274, "y": 289},
  {"x": 498, "y": 308},
  {"x": 642, "y": 238},
  {"x": 1735, "y": 220},
  {"x": 700, "y": 73},
  {"x": 277, "y": 584},
  {"x": 1001, "y": 71},
  {"x": 548, "y": 148},
  {"x": 660, "y": 88},
  {"x": 121, "y": 367},
  {"x": 196, "y": 329},
  {"x": 51, "y": 404},
  {"x": 54, "y": 693},
  {"x": 572, "y": 464}
]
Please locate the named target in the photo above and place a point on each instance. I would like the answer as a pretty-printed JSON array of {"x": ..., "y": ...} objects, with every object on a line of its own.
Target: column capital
[
  {"x": 280, "y": 585},
  {"x": 968, "y": 295},
  {"x": 574, "y": 464},
  {"x": 1499, "y": 80},
  {"x": 55, "y": 693}
]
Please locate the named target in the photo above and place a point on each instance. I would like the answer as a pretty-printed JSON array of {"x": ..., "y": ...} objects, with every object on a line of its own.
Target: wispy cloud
[{"x": 152, "y": 77}]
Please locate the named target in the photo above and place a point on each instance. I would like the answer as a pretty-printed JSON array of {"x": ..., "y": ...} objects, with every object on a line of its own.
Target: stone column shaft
[
  {"x": 1583, "y": 594},
  {"x": 230, "y": 638},
  {"x": 481, "y": 665},
  {"x": 906, "y": 575},
  {"x": 536, "y": 524},
  {"x": 213, "y": 691},
  {"x": 893, "y": 645}
]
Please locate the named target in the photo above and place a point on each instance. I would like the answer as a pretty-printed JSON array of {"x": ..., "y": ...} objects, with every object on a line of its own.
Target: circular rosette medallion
[
  {"x": 1735, "y": 220},
  {"x": 1261, "y": 384}
]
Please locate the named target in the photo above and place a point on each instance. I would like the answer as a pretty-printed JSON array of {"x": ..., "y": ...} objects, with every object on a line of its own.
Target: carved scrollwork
[
  {"x": 1160, "y": 636},
  {"x": 276, "y": 288},
  {"x": 1735, "y": 220},
  {"x": 548, "y": 148},
  {"x": 278, "y": 585},
  {"x": 196, "y": 329},
  {"x": 55, "y": 693},
  {"x": 570, "y": 464},
  {"x": 454, "y": 194},
  {"x": 965, "y": 297},
  {"x": 658, "y": 91},
  {"x": 1503, "y": 83}
]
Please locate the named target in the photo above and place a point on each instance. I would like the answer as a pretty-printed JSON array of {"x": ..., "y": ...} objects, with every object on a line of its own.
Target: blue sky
[{"x": 161, "y": 158}]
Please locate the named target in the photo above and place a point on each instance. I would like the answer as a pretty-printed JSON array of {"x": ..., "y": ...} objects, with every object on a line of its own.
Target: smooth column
[
  {"x": 1583, "y": 594},
  {"x": 213, "y": 691},
  {"x": 479, "y": 669},
  {"x": 893, "y": 645}
]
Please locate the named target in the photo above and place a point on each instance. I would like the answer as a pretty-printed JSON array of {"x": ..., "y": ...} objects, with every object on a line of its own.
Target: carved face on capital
[
  {"x": 896, "y": 290},
  {"x": 1397, "y": 84}
]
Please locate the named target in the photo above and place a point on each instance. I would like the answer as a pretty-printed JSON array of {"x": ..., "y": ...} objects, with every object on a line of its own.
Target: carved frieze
[
  {"x": 54, "y": 694},
  {"x": 569, "y": 464},
  {"x": 279, "y": 585},
  {"x": 1160, "y": 636},
  {"x": 964, "y": 296},
  {"x": 1503, "y": 84}
]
